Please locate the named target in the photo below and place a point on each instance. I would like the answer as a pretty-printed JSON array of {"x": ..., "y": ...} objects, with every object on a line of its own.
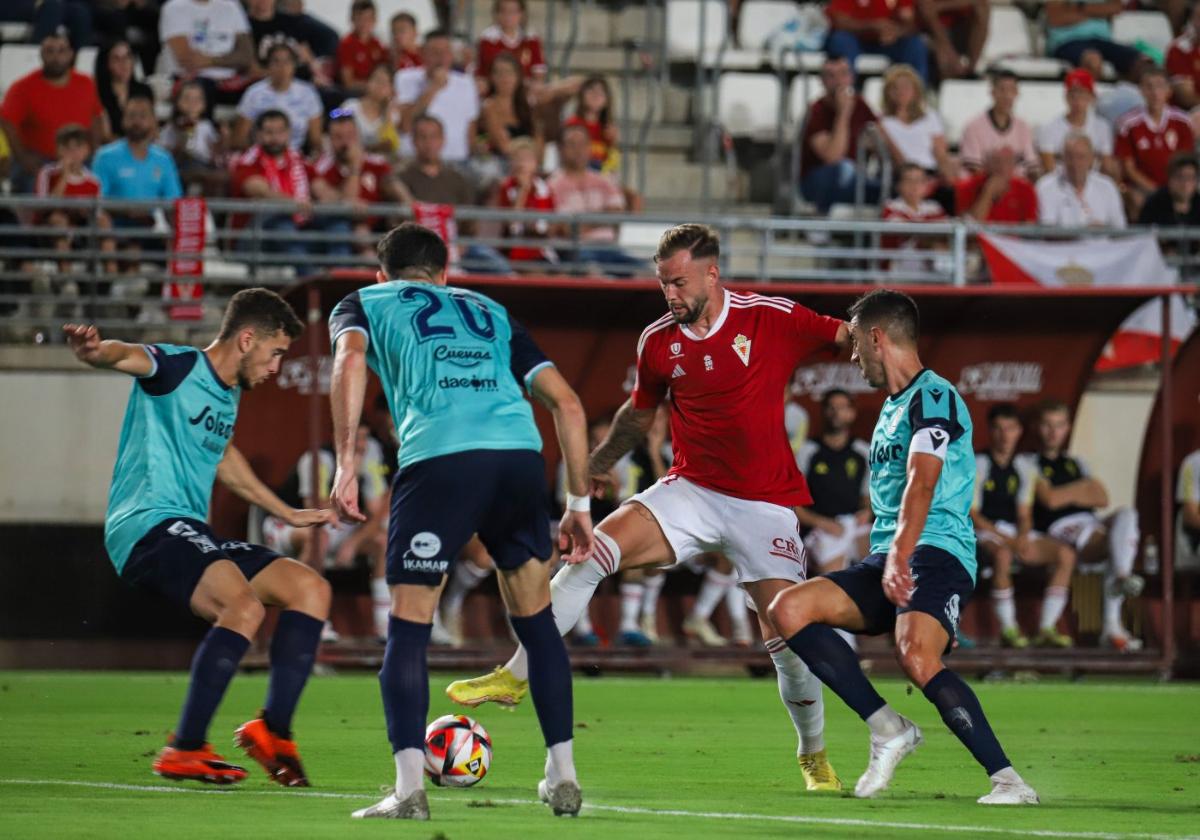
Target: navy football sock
[
  {"x": 293, "y": 652},
  {"x": 961, "y": 712},
  {"x": 404, "y": 682},
  {"x": 833, "y": 661},
  {"x": 213, "y": 666},
  {"x": 549, "y": 674}
]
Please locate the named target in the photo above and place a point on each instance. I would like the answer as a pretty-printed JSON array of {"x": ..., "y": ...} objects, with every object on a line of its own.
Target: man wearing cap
[{"x": 1080, "y": 118}]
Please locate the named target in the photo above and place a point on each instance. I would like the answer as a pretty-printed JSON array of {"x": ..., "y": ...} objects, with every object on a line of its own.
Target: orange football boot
[
  {"x": 202, "y": 765},
  {"x": 278, "y": 756}
]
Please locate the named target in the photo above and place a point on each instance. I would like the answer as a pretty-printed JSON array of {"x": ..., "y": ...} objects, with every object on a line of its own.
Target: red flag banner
[{"x": 183, "y": 300}]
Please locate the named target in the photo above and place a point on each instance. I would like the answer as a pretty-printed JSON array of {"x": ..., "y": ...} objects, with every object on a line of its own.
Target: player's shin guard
[
  {"x": 404, "y": 682},
  {"x": 213, "y": 666},
  {"x": 800, "y": 691},
  {"x": 293, "y": 653},
  {"x": 550, "y": 685},
  {"x": 961, "y": 712},
  {"x": 570, "y": 592},
  {"x": 836, "y": 665}
]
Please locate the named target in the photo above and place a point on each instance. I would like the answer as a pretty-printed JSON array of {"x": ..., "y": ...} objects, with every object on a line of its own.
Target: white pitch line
[{"x": 625, "y": 809}]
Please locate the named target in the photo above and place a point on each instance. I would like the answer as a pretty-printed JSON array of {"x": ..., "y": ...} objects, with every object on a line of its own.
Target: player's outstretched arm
[
  {"x": 86, "y": 344},
  {"x": 347, "y": 387},
  {"x": 923, "y": 472},
  {"x": 570, "y": 425},
  {"x": 235, "y": 472},
  {"x": 628, "y": 429},
  {"x": 1083, "y": 492}
]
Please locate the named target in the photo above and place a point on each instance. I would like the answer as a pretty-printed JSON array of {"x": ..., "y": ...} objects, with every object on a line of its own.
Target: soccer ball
[{"x": 458, "y": 751}]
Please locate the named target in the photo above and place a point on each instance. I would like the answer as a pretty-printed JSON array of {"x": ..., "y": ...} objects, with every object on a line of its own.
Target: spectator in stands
[
  {"x": 1183, "y": 66},
  {"x": 1077, "y": 195},
  {"x": 134, "y": 168},
  {"x": 1148, "y": 137},
  {"x": 314, "y": 43},
  {"x": 115, "y": 82},
  {"x": 195, "y": 142},
  {"x": 38, "y": 104},
  {"x": 208, "y": 39},
  {"x": 524, "y": 189},
  {"x": 957, "y": 30},
  {"x": 439, "y": 90},
  {"x": 405, "y": 50},
  {"x": 360, "y": 50},
  {"x": 47, "y": 16},
  {"x": 884, "y": 27},
  {"x": 999, "y": 127},
  {"x": 593, "y": 111},
  {"x": 436, "y": 189},
  {"x": 998, "y": 193},
  {"x": 508, "y": 34},
  {"x": 68, "y": 177},
  {"x": 1080, "y": 33},
  {"x": 133, "y": 20},
  {"x": 506, "y": 113},
  {"x": 1187, "y": 498},
  {"x": 282, "y": 91},
  {"x": 1177, "y": 204},
  {"x": 911, "y": 205},
  {"x": 375, "y": 114},
  {"x": 914, "y": 132},
  {"x": 578, "y": 189},
  {"x": 273, "y": 171},
  {"x": 1081, "y": 96},
  {"x": 349, "y": 174},
  {"x": 829, "y": 146}
]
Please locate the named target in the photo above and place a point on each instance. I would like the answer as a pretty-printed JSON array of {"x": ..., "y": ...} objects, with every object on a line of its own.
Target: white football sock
[
  {"x": 885, "y": 723},
  {"x": 466, "y": 577},
  {"x": 560, "y": 763},
  {"x": 381, "y": 602},
  {"x": 711, "y": 592},
  {"x": 801, "y": 694},
  {"x": 570, "y": 592},
  {"x": 631, "y": 606},
  {"x": 651, "y": 589},
  {"x": 1006, "y": 610},
  {"x": 739, "y": 616},
  {"x": 410, "y": 772},
  {"x": 1123, "y": 539},
  {"x": 1053, "y": 604},
  {"x": 1112, "y": 608}
]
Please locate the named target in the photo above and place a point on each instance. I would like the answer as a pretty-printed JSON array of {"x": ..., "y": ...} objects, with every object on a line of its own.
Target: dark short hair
[
  {"x": 361, "y": 6},
  {"x": 906, "y": 167},
  {"x": 895, "y": 312},
  {"x": 136, "y": 95},
  {"x": 437, "y": 33},
  {"x": 1182, "y": 161},
  {"x": 1002, "y": 411},
  {"x": 700, "y": 241},
  {"x": 261, "y": 309},
  {"x": 271, "y": 114},
  {"x": 1052, "y": 405},
  {"x": 835, "y": 392},
  {"x": 999, "y": 74},
  {"x": 425, "y": 116},
  {"x": 399, "y": 16},
  {"x": 1152, "y": 70},
  {"x": 72, "y": 133},
  {"x": 276, "y": 47},
  {"x": 410, "y": 250}
]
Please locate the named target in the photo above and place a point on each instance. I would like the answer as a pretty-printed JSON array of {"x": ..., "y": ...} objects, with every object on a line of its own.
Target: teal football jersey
[
  {"x": 927, "y": 416},
  {"x": 452, "y": 363},
  {"x": 177, "y": 424}
]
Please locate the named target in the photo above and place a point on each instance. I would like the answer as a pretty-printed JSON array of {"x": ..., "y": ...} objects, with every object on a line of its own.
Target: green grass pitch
[{"x": 657, "y": 758}]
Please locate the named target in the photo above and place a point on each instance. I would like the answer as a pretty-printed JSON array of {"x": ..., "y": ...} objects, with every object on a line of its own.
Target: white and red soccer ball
[{"x": 458, "y": 751}]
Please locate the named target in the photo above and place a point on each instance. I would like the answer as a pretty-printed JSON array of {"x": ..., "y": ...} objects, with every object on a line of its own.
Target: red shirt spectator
[
  {"x": 869, "y": 10},
  {"x": 526, "y": 47},
  {"x": 898, "y": 210},
  {"x": 80, "y": 185},
  {"x": 1183, "y": 64},
  {"x": 1150, "y": 144},
  {"x": 821, "y": 118},
  {"x": 360, "y": 56},
  {"x": 404, "y": 59},
  {"x": 537, "y": 197},
  {"x": 1016, "y": 205},
  {"x": 375, "y": 173},
  {"x": 284, "y": 173},
  {"x": 38, "y": 108}
]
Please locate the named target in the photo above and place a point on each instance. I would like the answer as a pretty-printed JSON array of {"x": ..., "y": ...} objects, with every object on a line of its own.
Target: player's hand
[
  {"x": 897, "y": 579},
  {"x": 84, "y": 341},
  {"x": 575, "y": 538},
  {"x": 344, "y": 496},
  {"x": 308, "y": 517},
  {"x": 604, "y": 485}
]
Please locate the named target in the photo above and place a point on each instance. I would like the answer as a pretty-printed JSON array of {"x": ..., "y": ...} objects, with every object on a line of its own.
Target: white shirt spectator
[
  {"x": 1061, "y": 205},
  {"x": 199, "y": 141},
  {"x": 300, "y": 102},
  {"x": 915, "y": 140},
  {"x": 456, "y": 105},
  {"x": 211, "y": 29},
  {"x": 1050, "y": 136}
]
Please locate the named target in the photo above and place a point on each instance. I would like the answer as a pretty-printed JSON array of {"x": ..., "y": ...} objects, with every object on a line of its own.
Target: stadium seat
[
  {"x": 336, "y": 13},
  {"x": 85, "y": 60},
  {"x": 804, "y": 91},
  {"x": 683, "y": 28},
  {"x": 872, "y": 91},
  {"x": 760, "y": 19},
  {"x": 17, "y": 60},
  {"x": 748, "y": 104},
  {"x": 959, "y": 101},
  {"x": 1150, "y": 27},
  {"x": 1040, "y": 102},
  {"x": 1008, "y": 35}
]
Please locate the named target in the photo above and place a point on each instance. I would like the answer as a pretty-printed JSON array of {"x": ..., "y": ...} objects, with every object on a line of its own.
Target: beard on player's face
[{"x": 688, "y": 313}]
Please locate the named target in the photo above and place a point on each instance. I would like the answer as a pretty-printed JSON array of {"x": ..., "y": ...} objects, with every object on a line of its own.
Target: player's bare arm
[
  {"x": 923, "y": 473},
  {"x": 85, "y": 342},
  {"x": 235, "y": 472},
  {"x": 1084, "y": 492},
  {"x": 629, "y": 428},
  {"x": 346, "y": 390},
  {"x": 570, "y": 425},
  {"x": 814, "y": 520}
]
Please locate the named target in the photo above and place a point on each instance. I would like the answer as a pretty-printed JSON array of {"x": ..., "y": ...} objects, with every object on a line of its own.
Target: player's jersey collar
[
  {"x": 911, "y": 382},
  {"x": 216, "y": 376},
  {"x": 717, "y": 324}
]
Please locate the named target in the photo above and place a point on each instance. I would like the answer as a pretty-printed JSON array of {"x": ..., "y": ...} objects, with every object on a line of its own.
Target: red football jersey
[
  {"x": 83, "y": 185},
  {"x": 527, "y": 49},
  {"x": 727, "y": 391},
  {"x": 1183, "y": 58},
  {"x": 359, "y": 57},
  {"x": 1150, "y": 147},
  {"x": 375, "y": 171}
]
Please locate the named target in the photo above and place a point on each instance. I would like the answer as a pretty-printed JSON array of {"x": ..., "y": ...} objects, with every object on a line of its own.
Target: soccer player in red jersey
[{"x": 724, "y": 358}]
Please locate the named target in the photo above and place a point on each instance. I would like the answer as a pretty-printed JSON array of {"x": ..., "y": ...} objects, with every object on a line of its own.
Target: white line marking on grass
[{"x": 624, "y": 809}]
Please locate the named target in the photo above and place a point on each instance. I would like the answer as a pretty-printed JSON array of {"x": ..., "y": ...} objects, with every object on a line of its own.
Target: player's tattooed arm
[
  {"x": 89, "y": 348},
  {"x": 628, "y": 429}
]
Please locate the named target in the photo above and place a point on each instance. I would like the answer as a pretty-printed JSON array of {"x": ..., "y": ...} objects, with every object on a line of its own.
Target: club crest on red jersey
[{"x": 741, "y": 346}]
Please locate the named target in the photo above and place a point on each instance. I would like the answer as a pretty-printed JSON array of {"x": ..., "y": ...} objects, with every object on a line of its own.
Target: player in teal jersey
[
  {"x": 452, "y": 364},
  {"x": 174, "y": 444},
  {"x": 922, "y": 567}
]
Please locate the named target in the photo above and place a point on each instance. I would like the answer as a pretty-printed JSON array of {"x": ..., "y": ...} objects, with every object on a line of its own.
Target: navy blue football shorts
[
  {"x": 437, "y": 504},
  {"x": 942, "y": 588},
  {"x": 173, "y": 555}
]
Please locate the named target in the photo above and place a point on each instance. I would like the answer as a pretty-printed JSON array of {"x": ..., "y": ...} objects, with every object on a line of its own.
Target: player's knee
[
  {"x": 243, "y": 613},
  {"x": 316, "y": 595},
  {"x": 1066, "y": 558},
  {"x": 919, "y": 660},
  {"x": 788, "y": 612}
]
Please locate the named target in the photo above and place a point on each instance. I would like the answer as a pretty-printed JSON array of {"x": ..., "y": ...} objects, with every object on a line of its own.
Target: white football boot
[
  {"x": 885, "y": 756},
  {"x": 1010, "y": 792},
  {"x": 414, "y": 807},
  {"x": 565, "y": 799}
]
